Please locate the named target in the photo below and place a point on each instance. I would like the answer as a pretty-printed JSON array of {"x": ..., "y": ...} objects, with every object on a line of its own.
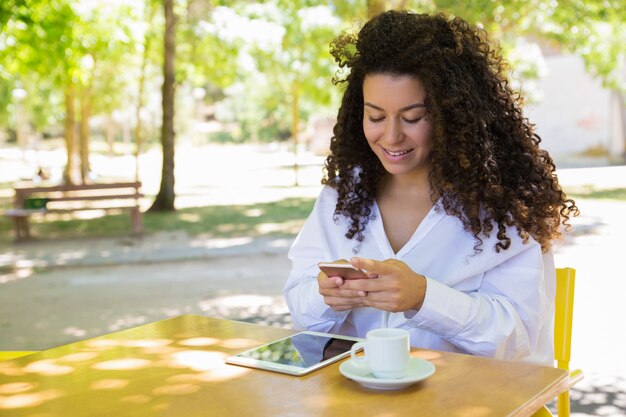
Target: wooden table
[{"x": 176, "y": 367}]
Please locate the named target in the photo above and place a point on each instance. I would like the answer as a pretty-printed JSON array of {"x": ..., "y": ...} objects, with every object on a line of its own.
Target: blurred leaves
[
  {"x": 593, "y": 29},
  {"x": 255, "y": 60}
]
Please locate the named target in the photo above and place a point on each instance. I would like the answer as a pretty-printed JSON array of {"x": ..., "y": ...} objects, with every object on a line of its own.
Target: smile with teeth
[{"x": 397, "y": 153}]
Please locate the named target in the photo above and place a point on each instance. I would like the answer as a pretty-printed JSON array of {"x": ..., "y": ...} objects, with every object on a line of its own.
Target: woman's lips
[{"x": 396, "y": 154}]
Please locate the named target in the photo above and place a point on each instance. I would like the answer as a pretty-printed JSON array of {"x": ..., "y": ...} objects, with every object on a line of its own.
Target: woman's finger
[
  {"x": 366, "y": 285},
  {"x": 341, "y": 301},
  {"x": 341, "y": 293}
]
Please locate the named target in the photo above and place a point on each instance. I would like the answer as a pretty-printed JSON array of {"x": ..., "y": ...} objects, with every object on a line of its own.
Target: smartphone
[{"x": 341, "y": 269}]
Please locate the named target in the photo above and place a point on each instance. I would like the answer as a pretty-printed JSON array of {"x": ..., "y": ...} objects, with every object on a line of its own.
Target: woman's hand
[
  {"x": 336, "y": 297},
  {"x": 397, "y": 288}
]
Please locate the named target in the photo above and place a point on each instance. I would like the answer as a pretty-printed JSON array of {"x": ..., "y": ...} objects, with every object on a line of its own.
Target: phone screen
[{"x": 301, "y": 350}]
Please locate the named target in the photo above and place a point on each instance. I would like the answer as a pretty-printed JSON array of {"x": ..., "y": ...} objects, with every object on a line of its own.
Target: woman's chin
[{"x": 405, "y": 169}]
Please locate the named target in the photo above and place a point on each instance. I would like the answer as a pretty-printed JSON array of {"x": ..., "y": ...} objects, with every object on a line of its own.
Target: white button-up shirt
[{"x": 492, "y": 304}]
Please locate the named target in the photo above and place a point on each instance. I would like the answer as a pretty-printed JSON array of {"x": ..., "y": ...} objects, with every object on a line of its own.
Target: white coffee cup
[{"x": 387, "y": 353}]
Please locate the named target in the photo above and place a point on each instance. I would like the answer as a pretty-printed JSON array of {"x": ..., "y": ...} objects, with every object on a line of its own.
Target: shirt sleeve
[
  {"x": 313, "y": 245},
  {"x": 504, "y": 318}
]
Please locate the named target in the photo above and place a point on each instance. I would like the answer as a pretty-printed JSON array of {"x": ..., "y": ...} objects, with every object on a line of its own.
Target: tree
[
  {"x": 164, "y": 200},
  {"x": 287, "y": 65},
  {"x": 81, "y": 43},
  {"x": 95, "y": 59},
  {"x": 35, "y": 26},
  {"x": 302, "y": 63},
  {"x": 145, "y": 53},
  {"x": 103, "y": 41},
  {"x": 375, "y": 7},
  {"x": 595, "y": 30}
]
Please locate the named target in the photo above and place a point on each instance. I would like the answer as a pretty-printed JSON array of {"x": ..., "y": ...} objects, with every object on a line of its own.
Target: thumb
[
  {"x": 329, "y": 282},
  {"x": 371, "y": 266}
]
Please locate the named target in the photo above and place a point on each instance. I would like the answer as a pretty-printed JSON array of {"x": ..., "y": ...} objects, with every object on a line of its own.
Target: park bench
[{"x": 31, "y": 200}]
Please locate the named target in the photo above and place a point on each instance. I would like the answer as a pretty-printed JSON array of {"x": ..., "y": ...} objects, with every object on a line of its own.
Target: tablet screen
[{"x": 302, "y": 350}]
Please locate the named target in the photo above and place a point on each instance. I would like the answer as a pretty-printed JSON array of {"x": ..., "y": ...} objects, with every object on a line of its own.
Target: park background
[{"x": 224, "y": 109}]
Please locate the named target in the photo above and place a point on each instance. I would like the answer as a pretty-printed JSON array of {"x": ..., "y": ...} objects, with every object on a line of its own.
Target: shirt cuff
[{"x": 444, "y": 310}]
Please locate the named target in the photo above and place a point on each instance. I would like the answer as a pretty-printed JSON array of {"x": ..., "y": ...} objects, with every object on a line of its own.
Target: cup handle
[{"x": 359, "y": 360}]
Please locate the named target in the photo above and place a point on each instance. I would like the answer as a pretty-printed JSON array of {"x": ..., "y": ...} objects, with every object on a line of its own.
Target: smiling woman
[
  {"x": 395, "y": 127},
  {"x": 437, "y": 182}
]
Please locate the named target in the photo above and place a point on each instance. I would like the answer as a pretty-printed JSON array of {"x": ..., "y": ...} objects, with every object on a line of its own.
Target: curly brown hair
[{"x": 487, "y": 166}]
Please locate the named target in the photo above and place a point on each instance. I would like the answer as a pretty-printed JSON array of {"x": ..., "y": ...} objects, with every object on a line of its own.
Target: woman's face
[{"x": 394, "y": 122}]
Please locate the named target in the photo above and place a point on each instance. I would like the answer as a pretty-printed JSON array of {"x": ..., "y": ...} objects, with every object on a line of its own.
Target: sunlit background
[{"x": 81, "y": 101}]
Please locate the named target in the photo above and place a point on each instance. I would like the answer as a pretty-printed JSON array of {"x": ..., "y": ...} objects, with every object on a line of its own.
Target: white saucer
[{"x": 419, "y": 369}]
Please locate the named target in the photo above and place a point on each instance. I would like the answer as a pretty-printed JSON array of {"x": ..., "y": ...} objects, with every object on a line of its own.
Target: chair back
[
  {"x": 563, "y": 315},
  {"x": 563, "y": 318},
  {"x": 6, "y": 355}
]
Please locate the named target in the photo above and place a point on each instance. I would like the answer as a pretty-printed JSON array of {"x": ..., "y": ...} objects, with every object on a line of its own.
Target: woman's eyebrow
[{"x": 403, "y": 109}]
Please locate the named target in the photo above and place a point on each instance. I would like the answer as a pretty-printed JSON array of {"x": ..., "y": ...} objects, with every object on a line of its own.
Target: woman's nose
[{"x": 393, "y": 132}]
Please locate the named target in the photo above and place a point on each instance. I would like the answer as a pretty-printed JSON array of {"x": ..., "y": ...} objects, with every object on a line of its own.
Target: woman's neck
[{"x": 414, "y": 184}]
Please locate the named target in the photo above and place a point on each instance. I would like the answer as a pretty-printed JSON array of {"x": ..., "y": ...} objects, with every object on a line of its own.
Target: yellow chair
[
  {"x": 563, "y": 315},
  {"x": 5, "y": 356}
]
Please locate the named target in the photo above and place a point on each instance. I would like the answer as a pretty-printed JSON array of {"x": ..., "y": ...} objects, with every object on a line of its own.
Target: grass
[
  {"x": 280, "y": 218},
  {"x": 617, "y": 194}
]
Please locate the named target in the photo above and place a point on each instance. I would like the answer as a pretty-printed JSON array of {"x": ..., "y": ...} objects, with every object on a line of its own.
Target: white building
[{"x": 576, "y": 114}]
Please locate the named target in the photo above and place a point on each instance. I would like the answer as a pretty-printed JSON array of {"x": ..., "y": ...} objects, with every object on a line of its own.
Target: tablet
[{"x": 298, "y": 354}]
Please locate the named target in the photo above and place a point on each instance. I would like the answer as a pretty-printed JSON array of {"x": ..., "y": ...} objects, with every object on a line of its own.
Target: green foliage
[
  {"x": 283, "y": 61},
  {"x": 257, "y": 60},
  {"x": 593, "y": 29},
  {"x": 597, "y": 32},
  {"x": 32, "y": 27},
  {"x": 49, "y": 44},
  {"x": 13, "y": 9},
  {"x": 6, "y": 86}
]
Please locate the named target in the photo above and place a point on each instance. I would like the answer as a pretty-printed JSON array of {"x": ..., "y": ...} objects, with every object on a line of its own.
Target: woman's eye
[
  {"x": 375, "y": 119},
  {"x": 413, "y": 121}
]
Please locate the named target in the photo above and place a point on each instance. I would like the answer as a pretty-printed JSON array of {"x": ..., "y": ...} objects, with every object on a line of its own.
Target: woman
[{"x": 437, "y": 184}]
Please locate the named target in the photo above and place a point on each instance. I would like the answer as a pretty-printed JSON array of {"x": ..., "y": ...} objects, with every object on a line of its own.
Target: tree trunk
[
  {"x": 110, "y": 134},
  {"x": 164, "y": 200},
  {"x": 617, "y": 148},
  {"x": 375, "y": 7},
  {"x": 142, "y": 82},
  {"x": 295, "y": 122},
  {"x": 70, "y": 145},
  {"x": 402, "y": 5},
  {"x": 85, "y": 114}
]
